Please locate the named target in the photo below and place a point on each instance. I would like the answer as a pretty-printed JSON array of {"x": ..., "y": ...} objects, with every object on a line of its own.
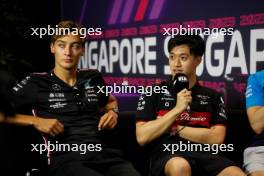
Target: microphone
[{"x": 180, "y": 82}]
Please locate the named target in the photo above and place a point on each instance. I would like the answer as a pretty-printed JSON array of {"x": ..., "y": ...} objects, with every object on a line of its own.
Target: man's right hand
[
  {"x": 184, "y": 99},
  {"x": 49, "y": 126}
]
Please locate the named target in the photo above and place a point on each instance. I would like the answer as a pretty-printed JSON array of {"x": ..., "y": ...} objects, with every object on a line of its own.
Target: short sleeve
[
  {"x": 254, "y": 92},
  {"x": 147, "y": 107},
  {"x": 25, "y": 95},
  {"x": 219, "y": 112}
]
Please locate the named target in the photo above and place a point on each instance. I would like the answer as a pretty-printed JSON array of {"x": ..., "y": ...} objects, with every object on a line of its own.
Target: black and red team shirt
[
  {"x": 77, "y": 107},
  {"x": 207, "y": 107}
]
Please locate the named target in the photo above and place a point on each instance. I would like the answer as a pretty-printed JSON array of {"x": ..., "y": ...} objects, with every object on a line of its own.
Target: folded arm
[{"x": 213, "y": 135}]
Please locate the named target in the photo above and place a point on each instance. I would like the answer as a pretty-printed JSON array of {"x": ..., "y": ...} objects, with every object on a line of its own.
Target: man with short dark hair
[
  {"x": 164, "y": 123},
  {"x": 67, "y": 109}
]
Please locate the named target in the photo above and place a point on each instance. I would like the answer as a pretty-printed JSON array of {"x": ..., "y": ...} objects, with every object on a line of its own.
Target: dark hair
[
  {"x": 68, "y": 26},
  {"x": 195, "y": 43}
]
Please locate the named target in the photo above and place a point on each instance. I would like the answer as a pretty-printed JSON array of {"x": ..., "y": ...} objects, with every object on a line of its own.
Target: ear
[
  {"x": 52, "y": 48},
  {"x": 198, "y": 60},
  {"x": 83, "y": 50}
]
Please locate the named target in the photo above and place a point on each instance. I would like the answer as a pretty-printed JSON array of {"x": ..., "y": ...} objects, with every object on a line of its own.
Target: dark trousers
[
  {"x": 107, "y": 163},
  {"x": 81, "y": 169}
]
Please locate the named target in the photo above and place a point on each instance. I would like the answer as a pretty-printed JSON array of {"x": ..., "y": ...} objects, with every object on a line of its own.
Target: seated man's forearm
[
  {"x": 148, "y": 131},
  {"x": 21, "y": 119},
  {"x": 256, "y": 118},
  {"x": 213, "y": 135}
]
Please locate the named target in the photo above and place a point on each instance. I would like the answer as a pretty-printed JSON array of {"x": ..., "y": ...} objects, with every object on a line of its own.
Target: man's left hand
[{"x": 108, "y": 120}]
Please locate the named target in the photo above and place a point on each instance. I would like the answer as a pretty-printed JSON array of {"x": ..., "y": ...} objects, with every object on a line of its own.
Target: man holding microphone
[{"x": 164, "y": 119}]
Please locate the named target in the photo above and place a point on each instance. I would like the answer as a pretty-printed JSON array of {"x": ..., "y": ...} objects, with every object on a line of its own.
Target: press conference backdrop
[{"x": 130, "y": 37}]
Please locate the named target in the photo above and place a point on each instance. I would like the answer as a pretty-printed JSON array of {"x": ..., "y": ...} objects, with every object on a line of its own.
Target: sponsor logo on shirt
[
  {"x": 249, "y": 91},
  {"x": 203, "y": 99},
  {"x": 56, "y": 87},
  {"x": 21, "y": 84},
  {"x": 141, "y": 103},
  {"x": 90, "y": 94},
  {"x": 87, "y": 84},
  {"x": 58, "y": 100},
  {"x": 58, "y": 105},
  {"x": 167, "y": 93}
]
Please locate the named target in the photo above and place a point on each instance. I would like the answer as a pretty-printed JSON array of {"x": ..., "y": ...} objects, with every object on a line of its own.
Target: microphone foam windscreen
[{"x": 180, "y": 82}]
